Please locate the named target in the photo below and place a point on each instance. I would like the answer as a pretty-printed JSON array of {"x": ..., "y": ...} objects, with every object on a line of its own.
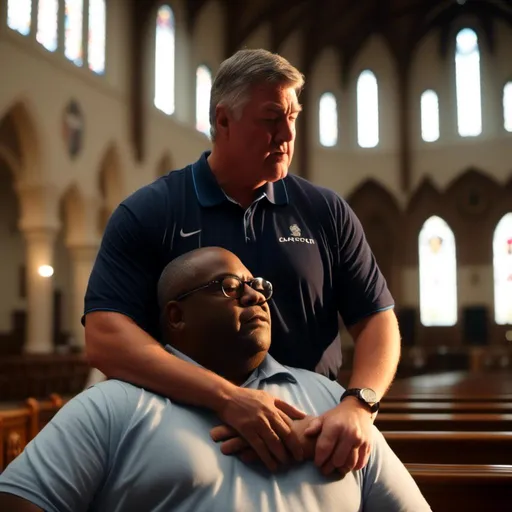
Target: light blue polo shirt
[{"x": 116, "y": 447}]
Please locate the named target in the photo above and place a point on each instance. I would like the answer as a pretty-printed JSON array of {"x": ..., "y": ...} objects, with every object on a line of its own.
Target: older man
[
  {"x": 117, "y": 447},
  {"x": 304, "y": 238}
]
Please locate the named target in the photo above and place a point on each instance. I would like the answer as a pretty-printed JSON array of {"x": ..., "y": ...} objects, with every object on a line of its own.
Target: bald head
[{"x": 190, "y": 270}]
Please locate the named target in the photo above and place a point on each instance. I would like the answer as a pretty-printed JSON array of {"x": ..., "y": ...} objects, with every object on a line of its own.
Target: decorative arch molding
[
  {"x": 378, "y": 211},
  {"x": 20, "y": 135},
  {"x": 110, "y": 184}
]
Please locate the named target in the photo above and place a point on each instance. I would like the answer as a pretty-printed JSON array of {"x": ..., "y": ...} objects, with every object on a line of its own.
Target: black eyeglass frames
[{"x": 233, "y": 287}]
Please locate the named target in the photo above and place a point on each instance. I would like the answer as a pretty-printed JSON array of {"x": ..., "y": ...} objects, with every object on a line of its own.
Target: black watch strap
[{"x": 365, "y": 395}]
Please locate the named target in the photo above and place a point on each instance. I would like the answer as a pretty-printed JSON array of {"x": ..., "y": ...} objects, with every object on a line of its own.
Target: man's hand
[
  {"x": 265, "y": 423},
  {"x": 344, "y": 437},
  {"x": 233, "y": 444}
]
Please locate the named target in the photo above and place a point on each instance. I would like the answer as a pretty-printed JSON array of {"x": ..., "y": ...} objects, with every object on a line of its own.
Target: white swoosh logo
[{"x": 185, "y": 235}]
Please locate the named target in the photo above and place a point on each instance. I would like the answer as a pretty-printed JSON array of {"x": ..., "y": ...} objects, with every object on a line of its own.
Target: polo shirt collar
[
  {"x": 209, "y": 193},
  {"x": 268, "y": 370}
]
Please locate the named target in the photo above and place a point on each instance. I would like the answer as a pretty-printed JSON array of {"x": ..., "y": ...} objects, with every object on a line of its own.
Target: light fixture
[{"x": 45, "y": 271}]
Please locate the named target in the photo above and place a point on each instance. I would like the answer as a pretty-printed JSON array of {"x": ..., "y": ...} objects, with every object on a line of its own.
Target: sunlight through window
[
  {"x": 429, "y": 116},
  {"x": 367, "y": 110},
  {"x": 502, "y": 263},
  {"x": 328, "y": 120},
  {"x": 438, "y": 273},
  {"x": 164, "y": 60},
  {"x": 467, "y": 75}
]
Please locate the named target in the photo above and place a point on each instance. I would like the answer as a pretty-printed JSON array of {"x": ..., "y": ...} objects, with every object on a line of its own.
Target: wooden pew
[
  {"x": 468, "y": 488},
  {"x": 452, "y": 447},
  {"x": 445, "y": 407},
  {"x": 444, "y": 422}
]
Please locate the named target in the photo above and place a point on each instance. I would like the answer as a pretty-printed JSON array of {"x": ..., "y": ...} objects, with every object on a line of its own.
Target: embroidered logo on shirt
[
  {"x": 185, "y": 235},
  {"x": 296, "y": 236}
]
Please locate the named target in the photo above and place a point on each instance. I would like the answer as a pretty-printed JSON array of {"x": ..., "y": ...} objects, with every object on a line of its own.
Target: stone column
[
  {"x": 82, "y": 257},
  {"x": 39, "y": 252}
]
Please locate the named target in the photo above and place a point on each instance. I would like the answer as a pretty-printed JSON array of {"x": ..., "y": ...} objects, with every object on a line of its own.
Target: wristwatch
[{"x": 365, "y": 395}]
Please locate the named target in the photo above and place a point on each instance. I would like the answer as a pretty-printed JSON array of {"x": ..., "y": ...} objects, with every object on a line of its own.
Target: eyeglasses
[{"x": 233, "y": 287}]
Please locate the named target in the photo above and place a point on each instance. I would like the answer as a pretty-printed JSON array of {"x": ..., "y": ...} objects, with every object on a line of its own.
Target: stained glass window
[
  {"x": 429, "y": 116},
  {"x": 164, "y": 60},
  {"x": 73, "y": 26},
  {"x": 438, "y": 273},
  {"x": 367, "y": 110},
  {"x": 47, "y": 23},
  {"x": 502, "y": 251},
  {"x": 19, "y": 13},
  {"x": 203, "y": 90},
  {"x": 96, "y": 36},
  {"x": 467, "y": 78},
  {"x": 328, "y": 120},
  {"x": 507, "y": 106}
]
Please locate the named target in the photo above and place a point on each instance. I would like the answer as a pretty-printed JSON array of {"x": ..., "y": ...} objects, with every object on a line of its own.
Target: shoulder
[
  {"x": 159, "y": 193},
  {"x": 317, "y": 386},
  {"x": 323, "y": 199}
]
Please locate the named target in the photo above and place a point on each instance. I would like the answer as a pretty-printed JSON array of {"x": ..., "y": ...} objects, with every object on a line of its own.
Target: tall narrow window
[
  {"x": 19, "y": 14},
  {"x": 47, "y": 23},
  {"x": 507, "y": 106},
  {"x": 367, "y": 110},
  {"x": 429, "y": 116},
  {"x": 96, "y": 36},
  {"x": 328, "y": 120},
  {"x": 502, "y": 263},
  {"x": 467, "y": 77},
  {"x": 438, "y": 273},
  {"x": 164, "y": 60},
  {"x": 203, "y": 90},
  {"x": 73, "y": 26}
]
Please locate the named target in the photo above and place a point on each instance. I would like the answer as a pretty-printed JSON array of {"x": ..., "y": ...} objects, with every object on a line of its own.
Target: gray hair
[{"x": 241, "y": 71}]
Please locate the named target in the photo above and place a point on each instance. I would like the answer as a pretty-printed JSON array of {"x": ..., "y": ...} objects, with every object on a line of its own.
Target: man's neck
[{"x": 228, "y": 179}]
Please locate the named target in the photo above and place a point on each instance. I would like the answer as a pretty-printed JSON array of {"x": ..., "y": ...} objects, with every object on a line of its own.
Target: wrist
[
  {"x": 358, "y": 405},
  {"x": 222, "y": 394}
]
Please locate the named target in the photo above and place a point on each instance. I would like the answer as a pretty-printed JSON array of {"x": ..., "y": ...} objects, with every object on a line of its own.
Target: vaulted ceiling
[{"x": 344, "y": 24}]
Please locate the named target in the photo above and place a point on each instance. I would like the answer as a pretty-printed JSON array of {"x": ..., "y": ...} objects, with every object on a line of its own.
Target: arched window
[
  {"x": 203, "y": 90},
  {"x": 47, "y": 23},
  {"x": 502, "y": 263},
  {"x": 507, "y": 106},
  {"x": 73, "y": 27},
  {"x": 467, "y": 77},
  {"x": 19, "y": 15},
  {"x": 367, "y": 110},
  {"x": 429, "y": 116},
  {"x": 164, "y": 60},
  {"x": 438, "y": 273},
  {"x": 96, "y": 36},
  {"x": 328, "y": 119}
]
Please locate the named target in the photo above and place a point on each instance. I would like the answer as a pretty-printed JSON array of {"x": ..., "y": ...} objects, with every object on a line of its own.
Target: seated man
[{"x": 116, "y": 447}]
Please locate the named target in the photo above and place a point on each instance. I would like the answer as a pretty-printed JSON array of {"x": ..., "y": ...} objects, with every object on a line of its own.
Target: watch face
[{"x": 368, "y": 395}]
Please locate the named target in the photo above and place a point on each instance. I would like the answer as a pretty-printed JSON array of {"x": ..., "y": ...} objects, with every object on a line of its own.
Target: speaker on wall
[{"x": 475, "y": 325}]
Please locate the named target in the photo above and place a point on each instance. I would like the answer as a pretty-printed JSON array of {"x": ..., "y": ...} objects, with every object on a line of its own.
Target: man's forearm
[
  {"x": 122, "y": 350},
  {"x": 376, "y": 352}
]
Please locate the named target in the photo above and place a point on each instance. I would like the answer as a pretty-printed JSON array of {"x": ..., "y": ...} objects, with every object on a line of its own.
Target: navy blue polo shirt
[{"x": 304, "y": 238}]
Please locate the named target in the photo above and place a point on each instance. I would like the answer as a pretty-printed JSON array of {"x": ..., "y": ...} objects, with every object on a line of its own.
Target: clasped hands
[{"x": 258, "y": 426}]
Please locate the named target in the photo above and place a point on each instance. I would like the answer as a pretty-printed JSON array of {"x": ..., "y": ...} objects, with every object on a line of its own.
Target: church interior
[{"x": 407, "y": 114}]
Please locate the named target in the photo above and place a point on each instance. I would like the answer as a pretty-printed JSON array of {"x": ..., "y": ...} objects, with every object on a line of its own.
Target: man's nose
[
  {"x": 251, "y": 297},
  {"x": 286, "y": 131}
]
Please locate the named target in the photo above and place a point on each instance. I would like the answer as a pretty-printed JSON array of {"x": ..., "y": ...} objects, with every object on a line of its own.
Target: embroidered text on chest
[{"x": 296, "y": 236}]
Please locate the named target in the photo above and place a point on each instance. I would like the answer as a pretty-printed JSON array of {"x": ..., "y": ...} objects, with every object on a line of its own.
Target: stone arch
[
  {"x": 380, "y": 216},
  {"x": 20, "y": 142},
  {"x": 110, "y": 184}
]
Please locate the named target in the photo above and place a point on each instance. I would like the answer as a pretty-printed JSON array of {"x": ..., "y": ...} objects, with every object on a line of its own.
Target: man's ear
[
  {"x": 222, "y": 118},
  {"x": 174, "y": 316}
]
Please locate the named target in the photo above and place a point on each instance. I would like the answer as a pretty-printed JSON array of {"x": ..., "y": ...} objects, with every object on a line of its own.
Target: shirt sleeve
[
  {"x": 362, "y": 289},
  {"x": 387, "y": 485},
  {"x": 126, "y": 271},
  {"x": 61, "y": 469}
]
